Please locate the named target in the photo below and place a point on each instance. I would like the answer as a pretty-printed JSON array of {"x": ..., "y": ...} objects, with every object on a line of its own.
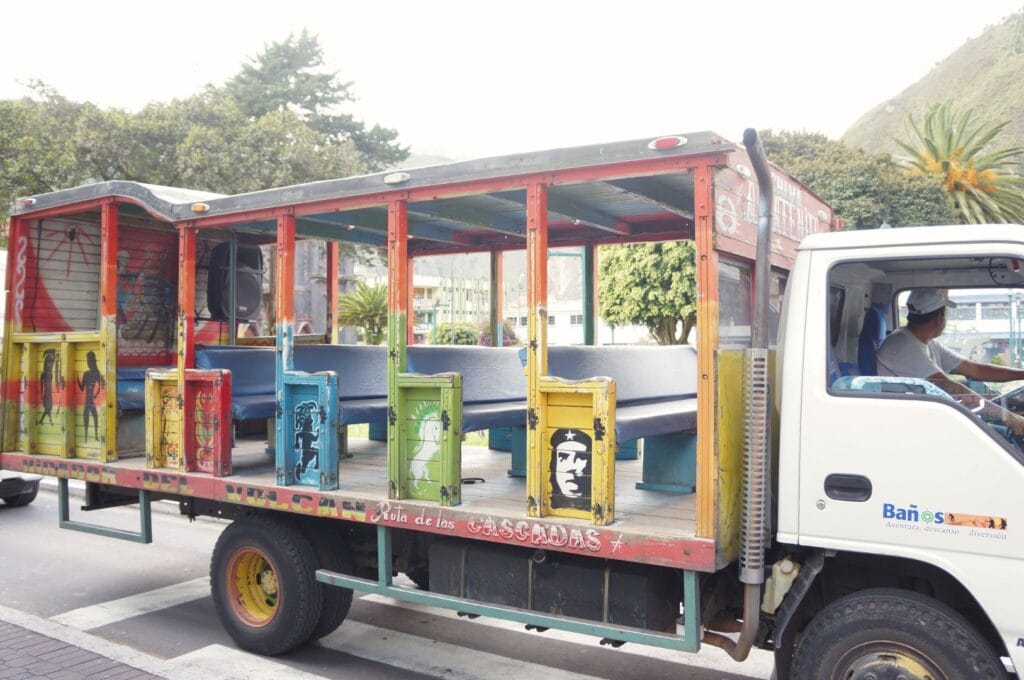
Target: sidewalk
[
  {"x": 27, "y": 654},
  {"x": 34, "y": 647}
]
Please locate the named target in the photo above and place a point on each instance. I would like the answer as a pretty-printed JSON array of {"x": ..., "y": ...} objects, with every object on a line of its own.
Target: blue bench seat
[
  {"x": 655, "y": 387},
  {"x": 362, "y": 378},
  {"x": 493, "y": 381},
  {"x": 355, "y": 411},
  {"x": 252, "y": 377},
  {"x": 131, "y": 386},
  {"x": 494, "y": 414},
  {"x": 639, "y": 421},
  {"x": 361, "y": 369}
]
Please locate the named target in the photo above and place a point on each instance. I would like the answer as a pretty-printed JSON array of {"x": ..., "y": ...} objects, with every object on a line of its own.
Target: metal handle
[{"x": 843, "y": 487}]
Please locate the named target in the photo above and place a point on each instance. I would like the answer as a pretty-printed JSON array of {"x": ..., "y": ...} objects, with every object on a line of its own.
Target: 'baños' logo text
[{"x": 911, "y": 514}]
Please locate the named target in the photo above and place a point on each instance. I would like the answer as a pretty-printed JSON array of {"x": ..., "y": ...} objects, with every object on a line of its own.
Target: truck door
[{"x": 906, "y": 472}]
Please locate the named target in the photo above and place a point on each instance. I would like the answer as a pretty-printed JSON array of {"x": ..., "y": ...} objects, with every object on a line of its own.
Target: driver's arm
[
  {"x": 978, "y": 371},
  {"x": 959, "y": 391}
]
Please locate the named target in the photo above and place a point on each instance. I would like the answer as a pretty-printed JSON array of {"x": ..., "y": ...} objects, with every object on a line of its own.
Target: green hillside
[{"x": 986, "y": 73}]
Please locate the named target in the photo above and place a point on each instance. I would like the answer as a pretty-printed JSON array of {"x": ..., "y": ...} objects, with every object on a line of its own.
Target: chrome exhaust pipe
[{"x": 756, "y": 464}]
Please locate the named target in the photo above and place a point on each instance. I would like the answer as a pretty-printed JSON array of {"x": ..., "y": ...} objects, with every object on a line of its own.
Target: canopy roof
[{"x": 638, "y": 191}]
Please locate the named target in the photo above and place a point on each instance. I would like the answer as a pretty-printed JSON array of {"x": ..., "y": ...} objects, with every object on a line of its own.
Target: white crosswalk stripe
[
  {"x": 430, "y": 657},
  {"x": 384, "y": 645},
  {"x": 227, "y": 662},
  {"x": 113, "y": 611}
]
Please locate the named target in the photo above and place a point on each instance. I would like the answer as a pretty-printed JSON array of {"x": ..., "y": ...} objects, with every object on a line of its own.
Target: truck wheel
[
  {"x": 890, "y": 633},
  {"x": 264, "y": 587},
  {"x": 23, "y": 498},
  {"x": 420, "y": 576},
  {"x": 331, "y": 553}
]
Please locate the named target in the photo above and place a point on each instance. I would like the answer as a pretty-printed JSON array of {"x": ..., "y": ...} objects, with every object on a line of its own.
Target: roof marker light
[
  {"x": 397, "y": 178},
  {"x": 200, "y": 207},
  {"x": 666, "y": 143},
  {"x": 26, "y": 202}
]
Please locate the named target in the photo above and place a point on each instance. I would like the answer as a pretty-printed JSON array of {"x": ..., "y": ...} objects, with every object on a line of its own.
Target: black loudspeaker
[{"x": 248, "y": 278}]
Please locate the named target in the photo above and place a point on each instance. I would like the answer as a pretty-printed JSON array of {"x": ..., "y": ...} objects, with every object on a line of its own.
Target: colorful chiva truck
[{"x": 124, "y": 366}]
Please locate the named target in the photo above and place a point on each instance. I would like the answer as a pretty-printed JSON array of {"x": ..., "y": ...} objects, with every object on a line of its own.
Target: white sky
[{"x": 472, "y": 79}]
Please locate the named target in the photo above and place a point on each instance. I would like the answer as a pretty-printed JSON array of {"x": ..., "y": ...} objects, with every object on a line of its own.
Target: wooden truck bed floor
[{"x": 654, "y": 527}]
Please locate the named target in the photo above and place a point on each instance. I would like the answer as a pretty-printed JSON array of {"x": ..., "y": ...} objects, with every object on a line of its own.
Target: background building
[{"x": 986, "y": 325}]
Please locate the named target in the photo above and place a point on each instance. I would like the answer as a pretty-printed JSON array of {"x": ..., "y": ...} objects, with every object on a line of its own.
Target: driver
[{"x": 914, "y": 352}]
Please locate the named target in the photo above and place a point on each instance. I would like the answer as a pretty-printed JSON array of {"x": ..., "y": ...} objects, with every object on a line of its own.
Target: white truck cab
[{"x": 899, "y": 484}]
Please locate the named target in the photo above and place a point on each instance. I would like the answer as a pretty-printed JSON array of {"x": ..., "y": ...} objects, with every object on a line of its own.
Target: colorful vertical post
[
  {"x": 497, "y": 330},
  {"x": 108, "y": 326},
  {"x": 108, "y": 260},
  {"x": 333, "y": 290},
  {"x": 284, "y": 318},
  {"x": 167, "y": 443},
  {"x": 707, "y": 344},
  {"x": 285, "y": 292},
  {"x": 233, "y": 279},
  {"x": 186, "y": 297},
  {"x": 398, "y": 322},
  {"x": 306, "y": 417},
  {"x": 12, "y": 313},
  {"x": 410, "y": 317},
  {"x": 537, "y": 329},
  {"x": 589, "y": 295}
]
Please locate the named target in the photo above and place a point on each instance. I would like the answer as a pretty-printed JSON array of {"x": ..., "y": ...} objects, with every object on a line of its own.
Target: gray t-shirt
[{"x": 903, "y": 355}]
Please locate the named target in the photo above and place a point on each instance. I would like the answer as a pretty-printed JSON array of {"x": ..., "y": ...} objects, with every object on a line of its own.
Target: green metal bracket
[
  {"x": 144, "y": 535},
  {"x": 688, "y": 642}
]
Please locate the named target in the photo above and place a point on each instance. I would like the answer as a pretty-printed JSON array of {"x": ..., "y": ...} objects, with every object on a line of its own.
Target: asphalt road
[{"x": 155, "y": 599}]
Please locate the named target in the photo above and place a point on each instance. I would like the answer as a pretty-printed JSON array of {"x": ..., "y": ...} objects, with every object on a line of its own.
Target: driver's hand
[
  {"x": 969, "y": 400},
  {"x": 1015, "y": 423}
]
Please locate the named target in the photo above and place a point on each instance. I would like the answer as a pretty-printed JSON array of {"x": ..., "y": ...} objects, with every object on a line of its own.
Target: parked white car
[{"x": 16, "y": 489}]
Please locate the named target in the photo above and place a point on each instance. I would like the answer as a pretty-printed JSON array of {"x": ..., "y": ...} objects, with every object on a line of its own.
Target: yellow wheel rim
[{"x": 253, "y": 585}]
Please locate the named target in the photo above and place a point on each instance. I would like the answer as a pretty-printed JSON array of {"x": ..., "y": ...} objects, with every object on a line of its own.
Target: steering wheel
[{"x": 1012, "y": 400}]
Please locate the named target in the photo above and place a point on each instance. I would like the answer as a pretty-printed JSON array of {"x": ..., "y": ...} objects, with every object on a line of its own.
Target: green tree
[
  {"x": 277, "y": 123},
  {"x": 952, "y": 149},
  {"x": 650, "y": 284},
  {"x": 37, "y": 146},
  {"x": 242, "y": 155},
  {"x": 458, "y": 333},
  {"x": 864, "y": 189},
  {"x": 290, "y": 76},
  {"x": 367, "y": 308}
]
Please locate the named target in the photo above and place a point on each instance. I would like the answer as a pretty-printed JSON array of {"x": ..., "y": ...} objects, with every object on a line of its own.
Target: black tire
[
  {"x": 23, "y": 498},
  {"x": 332, "y": 552},
  {"x": 284, "y": 599},
  {"x": 885, "y": 629},
  {"x": 420, "y": 576}
]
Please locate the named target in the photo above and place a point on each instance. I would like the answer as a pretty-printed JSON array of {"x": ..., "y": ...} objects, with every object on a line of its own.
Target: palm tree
[
  {"x": 367, "y": 308},
  {"x": 952, "y": 147}
]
